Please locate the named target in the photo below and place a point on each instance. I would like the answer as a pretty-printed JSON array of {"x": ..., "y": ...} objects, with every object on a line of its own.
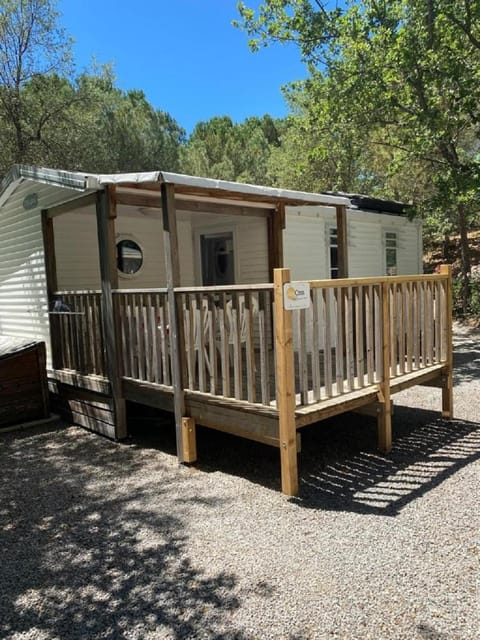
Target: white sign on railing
[{"x": 296, "y": 295}]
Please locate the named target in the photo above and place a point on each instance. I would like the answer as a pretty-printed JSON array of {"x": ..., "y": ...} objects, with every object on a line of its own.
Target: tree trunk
[{"x": 464, "y": 257}]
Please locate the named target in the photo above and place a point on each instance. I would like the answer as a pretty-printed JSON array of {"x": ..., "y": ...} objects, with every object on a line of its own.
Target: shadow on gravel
[
  {"x": 466, "y": 356},
  {"x": 79, "y": 560},
  {"x": 341, "y": 470}
]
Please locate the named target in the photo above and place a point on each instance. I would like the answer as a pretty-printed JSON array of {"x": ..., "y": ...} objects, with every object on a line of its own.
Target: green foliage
[
  {"x": 224, "y": 150},
  {"x": 398, "y": 80}
]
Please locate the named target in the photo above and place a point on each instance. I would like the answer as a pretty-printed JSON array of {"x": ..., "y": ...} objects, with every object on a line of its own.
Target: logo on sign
[{"x": 296, "y": 295}]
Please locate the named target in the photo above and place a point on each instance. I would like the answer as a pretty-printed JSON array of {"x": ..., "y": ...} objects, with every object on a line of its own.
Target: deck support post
[
  {"x": 342, "y": 240},
  {"x": 172, "y": 267},
  {"x": 51, "y": 279},
  {"x": 384, "y": 419},
  {"x": 106, "y": 215},
  {"x": 189, "y": 438},
  {"x": 285, "y": 387},
  {"x": 447, "y": 380}
]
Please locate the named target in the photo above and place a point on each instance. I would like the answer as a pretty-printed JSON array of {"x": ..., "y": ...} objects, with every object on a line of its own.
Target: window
[
  {"x": 333, "y": 251},
  {"x": 391, "y": 253},
  {"x": 216, "y": 250},
  {"x": 129, "y": 257}
]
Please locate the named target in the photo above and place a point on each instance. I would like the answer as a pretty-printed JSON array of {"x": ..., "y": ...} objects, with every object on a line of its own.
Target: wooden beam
[
  {"x": 52, "y": 285},
  {"x": 384, "y": 420},
  {"x": 447, "y": 387},
  {"x": 342, "y": 240},
  {"x": 276, "y": 224},
  {"x": 86, "y": 200},
  {"x": 106, "y": 213},
  {"x": 172, "y": 266},
  {"x": 229, "y": 209},
  {"x": 285, "y": 380},
  {"x": 189, "y": 440}
]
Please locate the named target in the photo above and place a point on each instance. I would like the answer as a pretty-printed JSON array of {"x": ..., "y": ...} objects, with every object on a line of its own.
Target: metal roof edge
[{"x": 54, "y": 177}]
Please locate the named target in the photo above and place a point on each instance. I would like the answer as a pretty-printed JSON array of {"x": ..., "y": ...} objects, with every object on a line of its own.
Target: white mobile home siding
[
  {"x": 76, "y": 248},
  {"x": 23, "y": 290},
  {"x": 306, "y": 249}
]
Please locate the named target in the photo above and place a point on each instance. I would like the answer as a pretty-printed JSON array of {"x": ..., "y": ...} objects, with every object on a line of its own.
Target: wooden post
[
  {"x": 285, "y": 387},
  {"x": 52, "y": 285},
  {"x": 276, "y": 225},
  {"x": 189, "y": 440},
  {"x": 447, "y": 382},
  {"x": 106, "y": 214},
  {"x": 185, "y": 450},
  {"x": 384, "y": 420},
  {"x": 342, "y": 240}
]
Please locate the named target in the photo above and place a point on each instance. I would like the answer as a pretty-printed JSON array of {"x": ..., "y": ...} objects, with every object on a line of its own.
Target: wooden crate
[{"x": 23, "y": 381}]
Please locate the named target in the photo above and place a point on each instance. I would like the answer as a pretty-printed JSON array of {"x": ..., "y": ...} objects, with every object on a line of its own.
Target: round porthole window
[{"x": 129, "y": 257}]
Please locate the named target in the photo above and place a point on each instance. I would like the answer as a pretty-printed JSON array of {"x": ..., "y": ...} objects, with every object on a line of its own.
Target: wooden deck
[{"x": 236, "y": 360}]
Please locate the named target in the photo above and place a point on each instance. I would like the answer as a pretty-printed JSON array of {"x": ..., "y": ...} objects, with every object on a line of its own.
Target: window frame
[{"x": 120, "y": 238}]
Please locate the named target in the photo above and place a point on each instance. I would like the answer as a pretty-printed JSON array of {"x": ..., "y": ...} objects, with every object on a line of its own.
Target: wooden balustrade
[
  {"x": 143, "y": 325},
  {"x": 228, "y": 341},
  {"x": 76, "y": 321},
  {"x": 339, "y": 340}
]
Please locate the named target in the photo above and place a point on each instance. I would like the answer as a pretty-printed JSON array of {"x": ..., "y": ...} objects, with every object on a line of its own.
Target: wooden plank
[
  {"x": 327, "y": 342},
  {"x": 349, "y": 347},
  {"x": 285, "y": 386},
  {"x": 152, "y": 395},
  {"x": 275, "y": 226},
  {"x": 339, "y": 347},
  {"x": 234, "y": 418},
  {"x": 302, "y": 354},
  {"x": 92, "y": 383},
  {"x": 106, "y": 212},
  {"x": 189, "y": 440},
  {"x": 410, "y": 327},
  {"x": 374, "y": 280},
  {"x": 164, "y": 342},
  {"x": 384, "y": 423},
  {"x": 80, "y": 202},
  {"x": 316, "y": 377},
  {"x": 263, "y": 348},
  {"x": 52, "y": 285},
  {"x": 447, "y": 390},
  {"x": 212, "y": 346},
  {"x": 369, "y": 322},
  {"x": 334, "y": 406},
  {"x": 419, "y": 377},
  {"x": 249, "y": 347},
  {"x": 393, "y": 324},
  {"x": 237, "y": 346},
  {"x": 359, "y": 334},
  {"x": 224, "y": 345},
  {"x": 172, "y": 267},
  {"x": 379, "y": 372},
  {"x": 402, "y": 327},
  {"x": 200, "y": 325}
]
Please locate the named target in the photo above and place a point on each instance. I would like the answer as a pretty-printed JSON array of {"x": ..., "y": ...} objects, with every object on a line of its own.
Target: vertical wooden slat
[
  {"x": 224, "y": 345},
  {"x": 342, "y": 241},
  {"x": 377, "y": 295},
  {"x": 349, "y": 348},
  {"x": 285, "y": 386},
  {"x": 249, "y": 347},
  {"x": 437, "y": 286},
  {"x": 410, "y": 328},
  {"x": 263, "y": 348},
  {"x": 402, "y": 327},
  {"x": 392, "y": 289},
  {"x": 212, "y": 347},
  {"x": 316, "y": 377},
  {"x": 417, "y": 318},
  {"x": 302, "y": 354},
  {"x": 200, "y": 326},
  {"x": 327, "y": 340},
  {"x": 369, "y": 323},
  {"x": 339, "y": 340},
  {"x": 359, "y": 335},
  {"x": 139, "y": 336},
  {"x": 237, "y": 347}
]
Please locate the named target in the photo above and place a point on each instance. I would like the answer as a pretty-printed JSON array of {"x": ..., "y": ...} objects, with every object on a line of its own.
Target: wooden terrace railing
[
  {"x": 338, "y": 340},
  {"x": 77, "y": 334}
]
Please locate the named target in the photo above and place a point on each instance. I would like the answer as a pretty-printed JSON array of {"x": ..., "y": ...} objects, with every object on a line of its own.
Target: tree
[
  {"x": 222, "y": 149},
  {"x": 405, "y": 72},
  {"x": 31, "y": 46}
]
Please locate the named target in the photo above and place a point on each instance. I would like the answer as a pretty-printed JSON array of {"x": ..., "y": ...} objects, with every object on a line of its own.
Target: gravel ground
[{"x": 105, "y": 540}]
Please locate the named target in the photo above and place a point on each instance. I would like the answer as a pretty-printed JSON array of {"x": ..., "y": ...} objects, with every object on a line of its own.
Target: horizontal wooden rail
[{"x": 352, "y": 282}]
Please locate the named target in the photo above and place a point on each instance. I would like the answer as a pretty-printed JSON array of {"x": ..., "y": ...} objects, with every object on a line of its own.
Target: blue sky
[{"x": 184, "y": 54}]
